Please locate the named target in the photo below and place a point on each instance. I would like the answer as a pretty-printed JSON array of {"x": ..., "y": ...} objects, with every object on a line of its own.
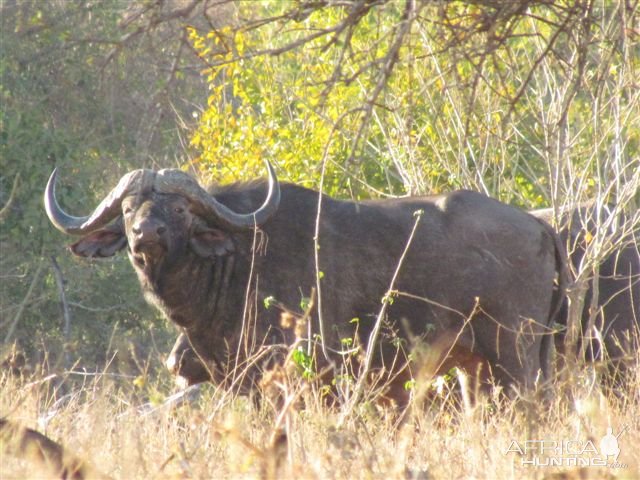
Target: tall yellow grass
[{"x": 110, "y": 424}]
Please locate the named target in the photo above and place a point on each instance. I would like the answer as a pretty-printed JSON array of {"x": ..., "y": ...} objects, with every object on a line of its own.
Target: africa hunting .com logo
[{"x": 569, "y": 453}]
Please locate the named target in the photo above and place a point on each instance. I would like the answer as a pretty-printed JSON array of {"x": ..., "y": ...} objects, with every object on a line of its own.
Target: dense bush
[
  {"x": 520, "y": 109},
  {"x": 68, "y": 101}
]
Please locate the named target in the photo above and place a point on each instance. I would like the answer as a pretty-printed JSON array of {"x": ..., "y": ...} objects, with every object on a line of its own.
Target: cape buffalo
[
  {"x": 217, "y": 263},
  {"x": 617, "y": 306}
]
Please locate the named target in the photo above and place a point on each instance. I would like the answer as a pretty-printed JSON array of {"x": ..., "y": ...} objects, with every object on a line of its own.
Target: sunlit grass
[{"x": 109, "y": 423}]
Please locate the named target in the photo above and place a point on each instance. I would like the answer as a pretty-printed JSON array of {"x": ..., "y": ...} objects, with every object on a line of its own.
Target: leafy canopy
[{"x": 414, "y": 97}]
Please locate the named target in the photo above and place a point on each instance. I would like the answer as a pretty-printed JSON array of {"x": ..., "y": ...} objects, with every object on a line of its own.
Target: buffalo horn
[
  {"x": 176, "y": 181},
  {"x": 108, "y": 209},
  {"x": 165, "y": 181}
]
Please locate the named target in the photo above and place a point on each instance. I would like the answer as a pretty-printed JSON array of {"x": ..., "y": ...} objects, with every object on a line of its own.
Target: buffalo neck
[{"x": 196, "y": 291}]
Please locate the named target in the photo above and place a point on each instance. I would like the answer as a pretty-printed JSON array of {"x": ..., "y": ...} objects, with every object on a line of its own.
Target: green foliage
[
  {"x": 58, "y": 110},
  {"x": 304, "y": 362},
  {"x": 346, "y": 342},
  {"x": 305, "y": 303},
  {"x": 276, "y": 107},
  {"x": 269, "y": 302},
  {"x": 489, "y": 110},
  {"x": 389, "y": 298}
]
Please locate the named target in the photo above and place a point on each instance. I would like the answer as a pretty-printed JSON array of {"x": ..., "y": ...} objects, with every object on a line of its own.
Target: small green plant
[
  {"x": 305, "y": 302},
  {"x": 269, "y": 302},
  {"x": 410, "y": 384},
  {"x": 389, "y": 298},
  {"x": 304, "y": 362},
  {"x": 346, "y": 342}
]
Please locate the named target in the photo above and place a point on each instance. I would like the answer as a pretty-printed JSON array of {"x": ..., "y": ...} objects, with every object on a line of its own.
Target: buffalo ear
[
  {"x": 105, "y": 242},
  {"x": 211, "y": 242}
]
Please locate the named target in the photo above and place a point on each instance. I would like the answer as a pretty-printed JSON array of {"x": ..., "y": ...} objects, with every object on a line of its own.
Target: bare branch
[{"x": 4, "y": 211}]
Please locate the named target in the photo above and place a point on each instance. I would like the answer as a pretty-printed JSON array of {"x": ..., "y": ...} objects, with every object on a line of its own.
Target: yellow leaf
[{"x": 588, "y": 237}]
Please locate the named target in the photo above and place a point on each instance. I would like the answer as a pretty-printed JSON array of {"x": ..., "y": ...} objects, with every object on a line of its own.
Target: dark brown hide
[
  {"x": 474, "y": 265},
  {"x": 617, "y": 311}
]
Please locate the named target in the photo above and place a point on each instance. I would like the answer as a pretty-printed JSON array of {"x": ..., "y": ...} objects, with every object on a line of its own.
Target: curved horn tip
[
  {"x": 52, "y": 177},
  {"x": 271, "y": 170},
  {"x": 273, "y": 178},
  {"x": 51, "y": 186},
  {"x": 50, "y": 204},
  {"x": 272, "y": 201},
  {"x": 269, "y": 167},
  {"x": 57, "y": 216}
]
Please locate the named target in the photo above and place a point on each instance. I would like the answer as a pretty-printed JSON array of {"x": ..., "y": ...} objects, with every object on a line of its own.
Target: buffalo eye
[{"x": 179, "y": 210}]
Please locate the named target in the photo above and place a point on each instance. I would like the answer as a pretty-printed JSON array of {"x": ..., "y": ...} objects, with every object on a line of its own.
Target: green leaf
[
  {"x": 304, "y": 303},
  {"x": 269, "y": 302},
  {"x": 304, "y": 362}
]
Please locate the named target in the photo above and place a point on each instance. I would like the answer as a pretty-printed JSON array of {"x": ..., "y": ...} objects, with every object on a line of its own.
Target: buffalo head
[
  {"x": 180, "y": 240},
  {"x": 160, "y": 217}
]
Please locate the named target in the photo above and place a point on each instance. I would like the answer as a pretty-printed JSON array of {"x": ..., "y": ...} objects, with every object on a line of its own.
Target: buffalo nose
[{"x": 149, "y": 230}]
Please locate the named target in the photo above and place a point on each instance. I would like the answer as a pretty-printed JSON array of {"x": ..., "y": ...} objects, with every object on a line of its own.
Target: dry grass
[{"x": 103, "y": 421}]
